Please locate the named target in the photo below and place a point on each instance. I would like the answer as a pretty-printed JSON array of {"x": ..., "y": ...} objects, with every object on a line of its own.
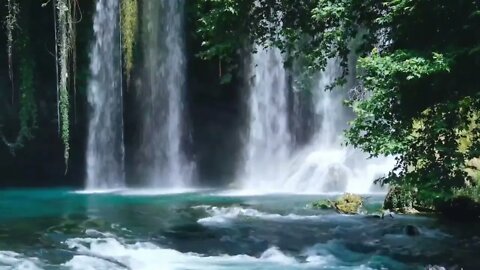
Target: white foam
[
  {"x": 279, "y": 191},
  {"x": 225, "y": 215},
  {"x": 13, "y": 261},
  {"x": 147, "y": 256},
  {"x": 141, "y": 192},
  {"x": 156, "y": 192},
  {"x": 96, "y": 191}
]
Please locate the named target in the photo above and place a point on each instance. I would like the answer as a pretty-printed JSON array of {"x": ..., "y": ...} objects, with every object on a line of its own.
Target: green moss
[
  {"x": 27, "y": 113},
  {"x": 323, "y": 204},
  {"x": 129, "y": 29},
  {"x": 349, "y": 204},
  {"x": 64, "y": 42}
]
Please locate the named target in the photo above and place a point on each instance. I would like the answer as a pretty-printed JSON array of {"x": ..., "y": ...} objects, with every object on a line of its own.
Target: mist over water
[{"x": 105, "y": 149}]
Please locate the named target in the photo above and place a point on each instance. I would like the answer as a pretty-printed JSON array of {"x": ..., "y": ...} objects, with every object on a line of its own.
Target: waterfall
[
  {"x": 268, "y": 144},
  {"x": 322, "y": 164},
  {"x": 162, "y": 163},
  {"x": 105, "y": 149}
]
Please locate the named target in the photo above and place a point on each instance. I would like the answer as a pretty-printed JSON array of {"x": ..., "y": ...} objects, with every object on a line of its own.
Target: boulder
[
  {"x": 349, "y": 204},
  {"x": 400, "y": 200},
  {"x": 411, "y": 230}
]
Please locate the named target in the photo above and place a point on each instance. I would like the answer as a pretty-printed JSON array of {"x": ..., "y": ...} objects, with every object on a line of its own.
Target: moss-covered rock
[
  {"x": 399, "y": 200},
  {"x": 349, "y": 204},
  {"x": 323, "y": 204}
]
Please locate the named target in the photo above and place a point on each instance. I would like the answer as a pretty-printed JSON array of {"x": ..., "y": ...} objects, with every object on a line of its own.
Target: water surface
[{"x": 61, "y": 229}]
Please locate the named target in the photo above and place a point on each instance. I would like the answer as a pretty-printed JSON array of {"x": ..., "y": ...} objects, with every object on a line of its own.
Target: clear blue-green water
[{"x": 60, "y": 229}]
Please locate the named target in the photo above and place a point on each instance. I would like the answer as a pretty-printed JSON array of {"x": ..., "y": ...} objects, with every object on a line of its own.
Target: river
[{"x": 216, "y": 229}]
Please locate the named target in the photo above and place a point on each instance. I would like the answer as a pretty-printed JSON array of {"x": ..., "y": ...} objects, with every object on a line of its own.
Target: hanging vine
[
  {"x": 27, "y": 113},
  {"x": 65, "y": 38},
  {"x": 129, "y": 22},
  {"x": 28, "y": 107},
  {"x": 10, "y": 25}
]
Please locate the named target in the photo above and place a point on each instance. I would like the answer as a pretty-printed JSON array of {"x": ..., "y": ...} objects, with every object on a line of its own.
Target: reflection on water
[{"x": 63, "y": 230}]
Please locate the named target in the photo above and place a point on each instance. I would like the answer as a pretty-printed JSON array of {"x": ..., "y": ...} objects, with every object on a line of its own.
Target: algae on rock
[{"x": 349, "y": 204}]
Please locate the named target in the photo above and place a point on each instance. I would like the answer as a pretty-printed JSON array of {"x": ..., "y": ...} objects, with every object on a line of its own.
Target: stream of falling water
[
  {"x": 323, "y": 164},
  {"x": 105, "y": 149},
  {"x": 161, "y": 159},
  {"x": 268, "y": 142}
]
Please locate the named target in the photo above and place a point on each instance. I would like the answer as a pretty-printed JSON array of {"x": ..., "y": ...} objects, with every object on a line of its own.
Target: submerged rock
[
  {"x": 411, "y": 230},
  {"x": 349, "y": 204}
]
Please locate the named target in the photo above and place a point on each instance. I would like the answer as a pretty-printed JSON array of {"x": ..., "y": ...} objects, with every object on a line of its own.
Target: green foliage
[
  {"x": 420, "y": 106},
  {"x": 129, "y": 27},
  {"x": 418, "y": 89},
  {"x": 373, "y": 128},
  {"x": 27, "y": 107}
]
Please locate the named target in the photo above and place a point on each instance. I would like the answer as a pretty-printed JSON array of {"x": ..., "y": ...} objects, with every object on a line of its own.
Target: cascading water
[
  {"x": 322, "y": 164},
  {"x": 268, "y": 145},
  {"x": 161, "y": 160},
  {"x": 105, "y": 150}
]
